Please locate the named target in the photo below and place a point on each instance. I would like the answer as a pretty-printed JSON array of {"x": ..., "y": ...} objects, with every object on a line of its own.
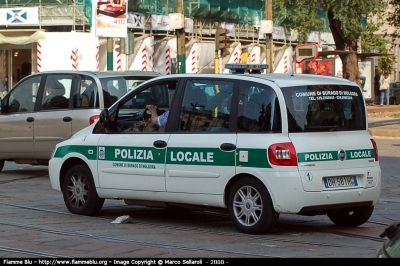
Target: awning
[
  {"x": 373, "y": 54},
  {"x": 22, "y": 40},
  {"x": 342, "y": 52}
]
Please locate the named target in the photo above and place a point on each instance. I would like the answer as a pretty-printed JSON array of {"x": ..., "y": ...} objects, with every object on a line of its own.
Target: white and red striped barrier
[
  {"x": 144, "y": 59},
  {"x": 194, "y": 61},
  {"x": 39, "y": 57},
  {"x": 167, "y": 62},
  {"x": 119, "y": 61},
  {"x": 236, "y": 57},
  {"x": 74, "y": 58},
  {"x": 98, "y": 58},
  {"x": 285, "y": 64},
  {"x": 273, "y": 64},
  {"x": 253, "y": 58}
]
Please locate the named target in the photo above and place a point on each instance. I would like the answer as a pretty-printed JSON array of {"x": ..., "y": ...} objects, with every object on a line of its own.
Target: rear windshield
[{"x": 322, "y": 108}]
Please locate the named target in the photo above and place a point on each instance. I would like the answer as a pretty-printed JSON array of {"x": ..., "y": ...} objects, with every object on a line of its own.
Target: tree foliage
[
  {"x": 371, "y": 41},
  {"x": 393, "y": 17},
  {"x": 343, "y": 19}
]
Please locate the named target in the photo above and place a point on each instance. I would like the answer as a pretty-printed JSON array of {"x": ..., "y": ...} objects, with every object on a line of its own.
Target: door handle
[
  {"x": 228, "y": 147},
  {"x": 30, "y": 119},
  {"x": 160, "y": 144},
  {"x": 67, "y": 119}
]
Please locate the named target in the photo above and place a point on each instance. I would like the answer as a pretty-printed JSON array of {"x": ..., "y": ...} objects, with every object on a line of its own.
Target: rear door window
[
  {"x": 57, "y": 91},
  {"x": 206, "y": 106},
  {"x": 258, "y": 109},
  {"x": 323, "y": 108},
  {"x": 86, "y": 94}
]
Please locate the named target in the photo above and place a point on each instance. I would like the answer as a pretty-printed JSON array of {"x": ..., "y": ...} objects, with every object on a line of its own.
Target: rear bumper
[
  {"x": 288, "y": 195},
  {"x": 324, "y": 209},
  {"x": 328, "y": 200}
]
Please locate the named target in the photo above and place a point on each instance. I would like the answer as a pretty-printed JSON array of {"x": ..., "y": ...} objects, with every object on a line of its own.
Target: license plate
[{"x": 342, "y": 181}]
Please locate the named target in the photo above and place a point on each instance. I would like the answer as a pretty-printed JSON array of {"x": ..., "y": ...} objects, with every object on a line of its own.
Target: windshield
[{"x": 322, "y": 108}]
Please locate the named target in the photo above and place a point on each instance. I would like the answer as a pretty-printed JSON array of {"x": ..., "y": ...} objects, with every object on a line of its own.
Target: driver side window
[
  {"x": 133, "y": 115},
  {"x": 23, "y": 97}
]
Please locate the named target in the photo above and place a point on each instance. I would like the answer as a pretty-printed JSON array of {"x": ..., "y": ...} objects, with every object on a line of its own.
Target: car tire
[
  {"x": 250, "y": 207},
  {"x": 351, "y": 217},
  {"x": 79, "y": 191},
  {"x": 2, "y": 164}
]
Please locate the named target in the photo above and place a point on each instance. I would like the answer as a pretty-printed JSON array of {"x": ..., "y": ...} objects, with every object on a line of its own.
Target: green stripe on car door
[
  {"x": 178, "y": 156},
  {"x": 89, "y": 152},
  {"x": 200, "y": 156}
]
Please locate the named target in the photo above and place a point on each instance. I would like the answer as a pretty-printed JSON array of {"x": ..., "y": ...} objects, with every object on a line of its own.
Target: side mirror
[{"x": 104, "y": 119}]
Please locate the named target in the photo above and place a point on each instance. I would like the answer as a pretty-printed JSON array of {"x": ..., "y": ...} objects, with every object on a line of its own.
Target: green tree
[
  {"x": 393, "y": 17},
  {"x": 343, "y": 20},
  {"x": 371, "y": 41}
]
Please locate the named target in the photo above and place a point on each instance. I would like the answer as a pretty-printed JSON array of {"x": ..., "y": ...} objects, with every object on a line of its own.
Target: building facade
[{"x": 40, "y": 35}]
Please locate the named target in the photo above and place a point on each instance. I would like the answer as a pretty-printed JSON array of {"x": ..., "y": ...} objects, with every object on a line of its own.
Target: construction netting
[{"x": 239, "y": 11}]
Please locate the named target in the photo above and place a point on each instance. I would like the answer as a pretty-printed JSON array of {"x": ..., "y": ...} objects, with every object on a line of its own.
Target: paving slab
[{"x": 384, "y": 121}]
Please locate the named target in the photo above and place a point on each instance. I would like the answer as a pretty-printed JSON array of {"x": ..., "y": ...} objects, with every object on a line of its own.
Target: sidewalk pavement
[{"x": 382, "y": 123}]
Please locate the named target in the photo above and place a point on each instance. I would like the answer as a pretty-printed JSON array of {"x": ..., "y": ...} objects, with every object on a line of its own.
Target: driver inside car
[
  {"x": 155, "y": 120},
  {"x": 155, "y": 103}
]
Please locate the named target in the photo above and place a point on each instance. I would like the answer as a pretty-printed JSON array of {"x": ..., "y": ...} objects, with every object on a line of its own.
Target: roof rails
[{"x": 249, "y": 68}]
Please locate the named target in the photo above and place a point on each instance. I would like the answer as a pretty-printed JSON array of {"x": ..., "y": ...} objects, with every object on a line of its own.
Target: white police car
[{"x": 256, "y": 145}]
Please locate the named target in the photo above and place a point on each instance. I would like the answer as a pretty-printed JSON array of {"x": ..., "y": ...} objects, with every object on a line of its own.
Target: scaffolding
[
  {"x": 246, "y": 14},
  {"x": 79, "y": 12},
  {"x": 75, "y": 13}
]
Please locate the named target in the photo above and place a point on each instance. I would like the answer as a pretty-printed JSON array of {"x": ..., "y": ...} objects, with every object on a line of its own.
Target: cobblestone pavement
[{"x": 34, "y": 222}]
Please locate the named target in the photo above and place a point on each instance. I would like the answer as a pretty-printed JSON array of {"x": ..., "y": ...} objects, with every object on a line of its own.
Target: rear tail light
[
  {"x": 282, "y": 154},
  {"x": 93, "y": 119},
  {"x": 375, "y": 149}
]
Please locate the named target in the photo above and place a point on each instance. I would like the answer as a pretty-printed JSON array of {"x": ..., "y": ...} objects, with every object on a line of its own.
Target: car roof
[
  {"x": 282, "y": 80},
  {"x": 105, "y": 74},
  {"x": 288, "y": 80}
]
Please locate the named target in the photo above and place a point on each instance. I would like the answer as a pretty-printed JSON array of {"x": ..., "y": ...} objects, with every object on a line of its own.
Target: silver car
[{"x": 46, "y": 108}]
